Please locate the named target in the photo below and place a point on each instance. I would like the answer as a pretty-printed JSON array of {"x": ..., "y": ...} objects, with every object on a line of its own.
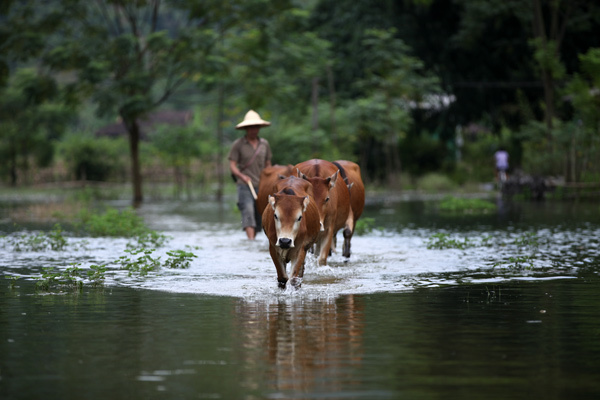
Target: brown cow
[
  {"x": 291, "y": 223},
  {"x": 268, "y": 178},
  {"x": 333, "y": 201},
  {"x": 351, "y": 174}
]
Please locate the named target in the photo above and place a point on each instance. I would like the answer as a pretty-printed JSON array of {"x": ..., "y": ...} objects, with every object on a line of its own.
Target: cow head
[
  {"x": 322, "y": 193},
  {"x": 287, "y": 212}
]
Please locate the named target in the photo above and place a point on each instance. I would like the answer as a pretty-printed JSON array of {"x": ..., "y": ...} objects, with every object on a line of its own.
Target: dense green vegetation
[{"x": 404, "y": 88}]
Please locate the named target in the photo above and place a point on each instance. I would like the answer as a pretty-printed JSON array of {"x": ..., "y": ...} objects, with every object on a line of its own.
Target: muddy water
[{"x": 513, "y": 313}]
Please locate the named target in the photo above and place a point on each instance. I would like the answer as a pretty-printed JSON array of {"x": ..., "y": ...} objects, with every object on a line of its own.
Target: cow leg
[
  {"x": 279, "y": 262},
  {"x": 348, "y": 232},
  {"x": 325, "y": 247},
  {"x": 347, "y": 238},
  {"x": 298, "y": 269}
]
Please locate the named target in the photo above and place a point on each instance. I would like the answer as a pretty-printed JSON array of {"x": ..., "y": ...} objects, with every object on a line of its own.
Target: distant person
[
  {"x": 248, "y": 156},
  {"x": 501, "y": 157}
]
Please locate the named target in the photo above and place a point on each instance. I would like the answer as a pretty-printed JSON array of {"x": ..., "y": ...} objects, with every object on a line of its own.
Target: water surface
[{"x": 514, "y": 314}]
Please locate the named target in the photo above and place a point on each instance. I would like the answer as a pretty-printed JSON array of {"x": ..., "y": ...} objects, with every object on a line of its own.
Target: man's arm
[{"x": 235, "y": 171}]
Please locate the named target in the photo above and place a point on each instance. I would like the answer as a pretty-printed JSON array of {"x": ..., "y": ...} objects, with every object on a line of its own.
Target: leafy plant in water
[
  {"x": 148, "y": 239},
  {"x": 53, "y": 240},
  {"x": 140, "y": 265},
  {"x": 364, "y": 226},
  {"x": 97, "y": 274},
  {"x": 443, "y": 241},
  {"x": 529, "y": 239},
  {"x": 69, "y": 277},
  {"x": 125, "y": 223},
  {"x": 518, "y": 262},
  {"x": 72, "y": 277},
  {"x": 12, "y": 281},
  {"x": 466, "y": 205},
  {"x": 179, "y": 259}
]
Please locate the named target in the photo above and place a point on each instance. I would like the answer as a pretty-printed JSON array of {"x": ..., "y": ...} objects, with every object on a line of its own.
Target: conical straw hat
[{"x": 252, "y": 119}]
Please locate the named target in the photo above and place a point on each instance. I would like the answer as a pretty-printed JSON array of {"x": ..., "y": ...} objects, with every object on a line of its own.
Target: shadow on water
[
  {"x": 517, "y": 340},
  {"x": 512, "y": 313}
]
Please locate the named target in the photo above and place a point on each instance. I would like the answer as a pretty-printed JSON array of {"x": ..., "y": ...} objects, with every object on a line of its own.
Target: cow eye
[
  {"x": 299, "y": 218},
  {"x": 276, "y": 217},
  {"x": 326, "y": 200}
]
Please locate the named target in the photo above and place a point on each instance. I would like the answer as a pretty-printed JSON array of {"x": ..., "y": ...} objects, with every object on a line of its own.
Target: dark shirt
[{"x": 242, "y": 151}]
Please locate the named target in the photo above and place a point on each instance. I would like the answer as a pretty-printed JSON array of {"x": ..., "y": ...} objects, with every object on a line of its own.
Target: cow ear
[
  {"x": 272, "y": 202},
  {"x": 305, "y": 203},
  {"x": 332, "y": 179}
]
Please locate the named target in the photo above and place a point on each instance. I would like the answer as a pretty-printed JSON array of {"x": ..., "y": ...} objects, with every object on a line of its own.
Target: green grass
[{"x": 451, "y": 204}]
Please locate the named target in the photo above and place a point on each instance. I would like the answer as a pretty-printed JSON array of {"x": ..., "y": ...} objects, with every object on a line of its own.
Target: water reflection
[{"x": 307, "y": 346}]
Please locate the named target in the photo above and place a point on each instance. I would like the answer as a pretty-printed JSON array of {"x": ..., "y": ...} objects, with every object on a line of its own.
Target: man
[
  {"x": 501, "y": 157},
  {"x": 248, "y": 156}
]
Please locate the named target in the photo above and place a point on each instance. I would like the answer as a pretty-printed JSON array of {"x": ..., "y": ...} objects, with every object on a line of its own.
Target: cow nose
[{"x": 285, "y": 243}]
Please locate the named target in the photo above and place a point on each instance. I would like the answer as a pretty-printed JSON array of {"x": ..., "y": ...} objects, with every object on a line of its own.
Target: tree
[
  {"x": 31, "y": 114},
  {"x": 394, "y": 82},
  {"x": 130, "y": 57}
]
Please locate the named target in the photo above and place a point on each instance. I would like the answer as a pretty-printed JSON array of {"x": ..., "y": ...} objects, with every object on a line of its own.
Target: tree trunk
[
  {"x": 331, "y": 86},
  {"x": 13, "y": 170},
  {"x": 315, "y": 111},
  {"x": 220, "y": 169},
  {"x": 134, "y": 140}
]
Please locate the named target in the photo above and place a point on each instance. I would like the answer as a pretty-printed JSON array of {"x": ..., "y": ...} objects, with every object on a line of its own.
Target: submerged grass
[
  {"x": 53, "y": 240},
  {"x": 115, "y": 223},
  {"x": 526, "y": 242},
  {"x": 451, "y": 204}
]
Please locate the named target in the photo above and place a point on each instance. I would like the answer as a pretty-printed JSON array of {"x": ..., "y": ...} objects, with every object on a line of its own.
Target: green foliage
[
  {"x": 453, "y": 204},
  {"x": 435, "y": 182},
  {"x": 441, "y": 241},
  {"x": 141, "y": 261},
  {"x": 112, "y": 222},
  {"x": 179, "y": 259},
  {"x": 528, "y": 241},
  {"x": 364, "y": 226},
  {"x": 53, "y": 240},
  {"x": 72, "y": 277},
  {"x": 31, "y": 116},
  {"x": 139, "y": 264},
  {"x": 115, "y": 223},
  {"x": 93, "y": 159}
]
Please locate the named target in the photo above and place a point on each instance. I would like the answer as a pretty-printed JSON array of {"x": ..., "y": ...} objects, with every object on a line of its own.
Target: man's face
[{"x": 252, "y": 130}]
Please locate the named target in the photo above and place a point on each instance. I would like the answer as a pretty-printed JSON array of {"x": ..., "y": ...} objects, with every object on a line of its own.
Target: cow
[
  {"x": 350, "y": 172},
  {"x": 291, "y": 223},
  {"x": 268, "y": 178},
  {"x": 332, "y": 198}
]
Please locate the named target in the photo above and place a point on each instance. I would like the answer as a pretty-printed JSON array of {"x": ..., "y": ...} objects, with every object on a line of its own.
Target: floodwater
[{"x": 514, "y": 312}]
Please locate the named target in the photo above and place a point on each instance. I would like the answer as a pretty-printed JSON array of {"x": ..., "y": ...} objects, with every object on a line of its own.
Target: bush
[
  {"x": 93, "y": 159},
  {"x": 435, "y": 182}
]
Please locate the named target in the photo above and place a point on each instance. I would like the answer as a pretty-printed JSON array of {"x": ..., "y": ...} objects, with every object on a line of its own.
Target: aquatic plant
[
  {"x": 149, "y": 239},
  {"x": 444, "y": 241},
  {"x": 73, "y": 277},
  {"x": 466, "y": 205},
  {"x": 12, "y": 281},
  {"x": 140, "y": 265},
  {"x": 145, "y": 263},
  {"x": 364, "y": 226},
  {"x": 68, "y": 278},
  {"x": 179, "y": 259},
  {"x": 53, "y": 240},
  {"x": 125, "y": 223},
  {"x": 97, "y": 274},
  {"x": 529, "y": 239},
  {"x": 518, "y": 262}
]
